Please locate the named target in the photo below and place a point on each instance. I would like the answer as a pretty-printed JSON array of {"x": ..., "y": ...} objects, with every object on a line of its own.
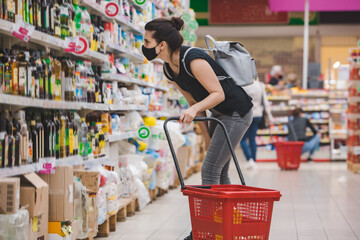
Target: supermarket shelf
[
  {"x": 70, "y": 161},
  {"x": 128, "y": 26},
  {"x": 353, "y": 83},
  {"x": 278, "y": 98},
  {"x": 308, "y": 96},
  {"x": 122, "y": 136},
  {"x": 354, "y": 99},
  {"x": 94, "y": 161},
  {"x": 157, "y": 5},
  {"x": 52, "y": 42},
  {"x": 354, "y": 115},
  {"x": 125, "y": 79},
  {"x": 129, "y": 107},
  {"x": 124, "y": 52},
  {"x": 319, "y": 121},
  {"x": 95, "y": 106},
  {"x": 14, "y": 171}
]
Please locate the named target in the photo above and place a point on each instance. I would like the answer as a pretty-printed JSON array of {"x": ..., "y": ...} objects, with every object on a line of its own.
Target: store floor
[{"x": 320, "y": 201}]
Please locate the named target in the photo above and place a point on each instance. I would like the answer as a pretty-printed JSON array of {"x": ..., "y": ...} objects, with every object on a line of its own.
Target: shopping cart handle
[{"x": 200, "y": 119}]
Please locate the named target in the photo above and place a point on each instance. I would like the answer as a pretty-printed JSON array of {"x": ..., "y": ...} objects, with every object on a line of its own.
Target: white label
[
  {"x": 357, "y": 150},
  {"x": 71, "y": 193},
  {"x": 47, "y": 165},
  {"x": 23, "y": 30},
  {"x": 22, "y": 76}
]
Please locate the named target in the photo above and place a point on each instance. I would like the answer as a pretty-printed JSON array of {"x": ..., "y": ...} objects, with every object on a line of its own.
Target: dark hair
[
  {"x": 168, "y": 31},
  {"x": 297, "y": 112}
]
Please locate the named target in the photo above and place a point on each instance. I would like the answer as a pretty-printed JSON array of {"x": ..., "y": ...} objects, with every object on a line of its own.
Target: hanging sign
[
  {"x": 144, "y": 132},
  {"x": 82, "y": 46},
  {"x": 140, "y": 2},
  {"x": 23, "y": 30},
  {"x": 47, "y": 165},
  {"x": 111, "y": 9}
]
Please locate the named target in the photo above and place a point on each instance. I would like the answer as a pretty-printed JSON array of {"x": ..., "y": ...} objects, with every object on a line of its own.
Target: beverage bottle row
[
  {"x": 41, "y": 76},
  {"x": 60, "y": 18},
  {"x": 24, "y": 140}
]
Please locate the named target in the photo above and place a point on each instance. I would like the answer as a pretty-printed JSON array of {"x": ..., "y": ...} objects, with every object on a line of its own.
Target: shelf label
[
  {"x": 47, "y": 165},
  {"x": 81, "y": 46},
  {"x": 111, "y": 9},
  {"x": 23, "y": 30},
  {"x": 144, "y": 132},
  {"x": 71, "y": 43}
]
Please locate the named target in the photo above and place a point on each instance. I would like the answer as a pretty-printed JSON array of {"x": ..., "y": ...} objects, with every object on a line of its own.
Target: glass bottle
[
  {"x": 23, "y": 78},
  {"x": 24, "y": 136},
  {"x": 15, "y": 75},
  {"x": 57, "y": 87},
  {"x": 35, "y": 142}
]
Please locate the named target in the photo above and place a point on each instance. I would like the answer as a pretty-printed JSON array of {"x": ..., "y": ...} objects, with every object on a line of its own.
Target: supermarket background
[{"x": 81, "y": 140}]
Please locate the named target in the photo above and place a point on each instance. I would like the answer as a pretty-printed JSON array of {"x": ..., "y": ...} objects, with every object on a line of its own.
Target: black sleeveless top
[{"x": 236, "y": 99}]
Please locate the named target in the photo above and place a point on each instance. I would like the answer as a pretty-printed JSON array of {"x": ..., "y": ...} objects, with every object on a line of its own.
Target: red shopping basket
[
  {"x": 227, "y": 212},
  {"x": 289, "y": 154}
]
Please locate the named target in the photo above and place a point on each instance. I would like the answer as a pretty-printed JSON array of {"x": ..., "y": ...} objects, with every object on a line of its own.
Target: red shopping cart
[{"x": 227, "y": 212}]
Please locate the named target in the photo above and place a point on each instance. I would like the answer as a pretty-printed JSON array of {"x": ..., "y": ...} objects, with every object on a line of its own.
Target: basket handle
[{"x": 174, "y": 154}]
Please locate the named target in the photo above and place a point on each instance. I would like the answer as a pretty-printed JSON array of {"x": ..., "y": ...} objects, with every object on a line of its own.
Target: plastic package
[
  {"x": 102, "y": 205},
  {"x": 143, "y": 194},
  {"x": 80, "y": 200},
  {"x": 163, "y": 173},
  {"x": 14, "y": 226},
  {"x": 111, "y": 199},
  {"x": 133, "y": 121}
]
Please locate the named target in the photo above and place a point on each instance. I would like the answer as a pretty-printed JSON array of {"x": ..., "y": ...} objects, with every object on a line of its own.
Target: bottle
[
  {"x": 45, "y": 77},
  {"x": 2, "y": 65},
  {"x": 67, "y": 136},
  {"x": 30, "y": 77},
  {"x": 19, "y": 9},
  {"x": 11, "y": 10},
  {"x": 71, "y": 138},
  {"x": 64, "y": 18},
  {"x": 84, "y": 144},
  {"x": 101, "y": 139},
  {"x": 4, "y": 141},
  {"x": 45, "y": 15},
  {"x": 78, "y": 89},
  {"x": 48, "y": 138},
  {"x": 57, "y": 87},
  {"x": 41, "y": 137},
  {"x": 38, "y": 25},
  {"x": 31, "y": 12},
  {"x": 77, "y": 131},
  {"x": 24, "y": 136},
  {"x": 23, "y": 78},
  {"x": 49, "y": 78},
  {"x": 15, "y": 75},
  {"x": 56, "y": 19},
  {"x": 57, "y": 136},
  {"x": 68, "y": 80},
  {"x": 35, "y": 142},
  {"x": 40, "y": 68},
  {"x": 7, "y": 85},
  {"x": 62, "y": 138},
  {"x": 17, "y": 144},
  {"x": 11, "y": 145}
]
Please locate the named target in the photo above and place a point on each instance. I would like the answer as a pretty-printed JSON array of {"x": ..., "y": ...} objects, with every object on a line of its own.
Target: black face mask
[
  {"x": 150, "y": 53},
  {"x": 281, "y": 77}
]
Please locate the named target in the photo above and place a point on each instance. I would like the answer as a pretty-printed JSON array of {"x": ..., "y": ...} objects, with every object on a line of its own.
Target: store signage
[
  {"x": 111, "y": 9},
  {"x": 47, "y": 165},
  {"x": 23, "y": 30},
  {"x": 144, "y": 132},
  {"x": 82, "y": 46},
  {"x": 244, "y": 12},
  {"x": 140, "y": 2}
]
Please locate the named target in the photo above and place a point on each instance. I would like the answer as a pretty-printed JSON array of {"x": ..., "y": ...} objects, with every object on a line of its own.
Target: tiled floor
[{"x": 320, "y": 201}]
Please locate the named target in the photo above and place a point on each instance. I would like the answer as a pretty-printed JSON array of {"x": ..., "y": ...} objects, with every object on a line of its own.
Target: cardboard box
[
  {"x": 90, "y": 179},
  {"x": 9, "y": 195},
  {"x": 61, "y": 198},
  {"x": 34, "y": 193},
  {"x": 56, "y": 231}
]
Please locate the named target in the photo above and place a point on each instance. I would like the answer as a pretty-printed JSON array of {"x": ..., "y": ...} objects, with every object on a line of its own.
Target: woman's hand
[{"x": 188, "y": 115}]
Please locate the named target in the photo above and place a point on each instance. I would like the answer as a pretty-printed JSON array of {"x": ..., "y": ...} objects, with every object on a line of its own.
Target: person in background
[
  {"x": 297, "y": 132},
  {"x": 276, "y": 75},
  {"x": 259, "y": 99},
  {"x": 291, "y": 80}
]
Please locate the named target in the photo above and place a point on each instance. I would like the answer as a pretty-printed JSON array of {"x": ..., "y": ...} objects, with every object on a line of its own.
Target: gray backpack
[{"x": 233, "y": 58}]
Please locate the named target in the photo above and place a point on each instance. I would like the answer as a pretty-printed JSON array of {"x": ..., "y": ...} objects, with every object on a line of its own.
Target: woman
[
  {"x": 261, "y": 103},
  {"x": 297, "y": 132},
  {"x": 203, "y": 91}
]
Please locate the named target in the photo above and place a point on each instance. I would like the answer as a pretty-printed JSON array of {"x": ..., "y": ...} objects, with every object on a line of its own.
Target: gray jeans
[{"x": 216, "y": 164}]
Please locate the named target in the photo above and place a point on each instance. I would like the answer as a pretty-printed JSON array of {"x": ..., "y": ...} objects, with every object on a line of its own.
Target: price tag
[
  {"x": 71, "y": 43},
  {"x": 47, "y": 165},
  {"x": 82, "y": 46},
  {"x": 23, "y": 30},
  {"x": 111, "y": 9}
]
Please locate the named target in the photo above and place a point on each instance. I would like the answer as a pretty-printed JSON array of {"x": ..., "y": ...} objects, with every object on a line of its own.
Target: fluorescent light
[{"x": 336, "y": 64}]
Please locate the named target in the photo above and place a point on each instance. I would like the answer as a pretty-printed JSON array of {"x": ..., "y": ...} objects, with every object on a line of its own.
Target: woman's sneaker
[{"x": 189, "y": 237}]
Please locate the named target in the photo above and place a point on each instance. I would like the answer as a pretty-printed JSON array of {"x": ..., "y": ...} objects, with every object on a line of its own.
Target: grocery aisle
[{"x": 320, "y": 201}]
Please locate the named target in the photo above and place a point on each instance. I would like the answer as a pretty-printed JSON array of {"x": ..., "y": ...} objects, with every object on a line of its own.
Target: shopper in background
[
  {"x": 261, "y": 106},
  {"x": 227, "y": 101},
  {"x": 277, "y": 75},
  {"x": 291, "y": 80},
  {"x": 297, "y": 132}
]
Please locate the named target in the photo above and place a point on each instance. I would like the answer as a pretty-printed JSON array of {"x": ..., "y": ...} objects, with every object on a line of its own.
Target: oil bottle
[
  {"x": 4, "y": 141},
  {"x": 40, "y": 133},
  {"x": 62, "y": 137},
  {"x": 7, "y": 85},
  {"x": 35, "y": 142},
  {"x": 57, "y": 87},
  {"x": 23, "y": 78},
  {"x": 24, "y": 136},
  {"x": 57, "y": 136}
]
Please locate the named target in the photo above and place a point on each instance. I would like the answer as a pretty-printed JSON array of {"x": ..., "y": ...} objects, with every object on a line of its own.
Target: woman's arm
[
  {"x": 203, "y": 124},
  {"x": 203, "y": 72}
]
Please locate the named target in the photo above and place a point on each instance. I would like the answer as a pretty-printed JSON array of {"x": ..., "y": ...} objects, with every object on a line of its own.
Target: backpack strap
[{"x": 220, "y": 78}]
